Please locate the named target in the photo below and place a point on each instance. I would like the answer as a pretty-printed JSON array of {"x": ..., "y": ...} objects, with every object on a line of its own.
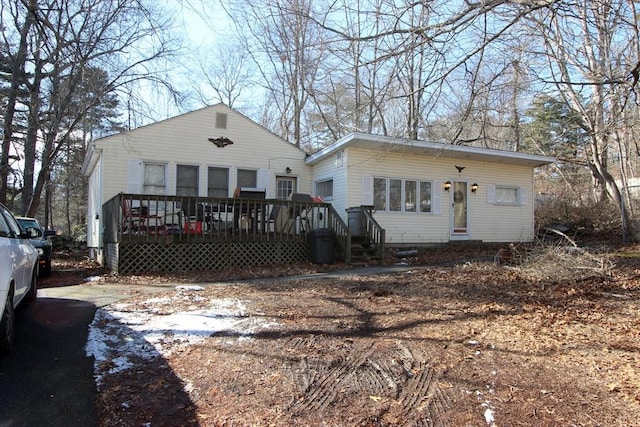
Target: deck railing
[{"x": 136, "y": 218}]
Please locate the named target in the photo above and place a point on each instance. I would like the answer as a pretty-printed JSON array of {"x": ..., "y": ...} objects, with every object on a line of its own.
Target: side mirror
[{"x": 33, "y": 232}]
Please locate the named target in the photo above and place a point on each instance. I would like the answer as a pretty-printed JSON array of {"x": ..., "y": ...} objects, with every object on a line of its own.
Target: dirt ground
[{"x": 554, "y": 341}]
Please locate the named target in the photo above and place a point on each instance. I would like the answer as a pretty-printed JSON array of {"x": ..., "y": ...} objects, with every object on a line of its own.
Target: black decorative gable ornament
[{"x": 221, "y": 142}]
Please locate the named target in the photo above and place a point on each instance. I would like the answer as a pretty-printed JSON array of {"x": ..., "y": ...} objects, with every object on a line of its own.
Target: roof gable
[{"x": 215, "y": 135}]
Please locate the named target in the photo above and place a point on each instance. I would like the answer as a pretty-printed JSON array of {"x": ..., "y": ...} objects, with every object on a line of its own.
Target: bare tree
[
  {"x": 228, "y": 72},
  {"x": 57, "y": 43},
  {"x": 592, "y": 51},
  {"x": 18, "y": 77},
  {"x": 286, "y": 48}
]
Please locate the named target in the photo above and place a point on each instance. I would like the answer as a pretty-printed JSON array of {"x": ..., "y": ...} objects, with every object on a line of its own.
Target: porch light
[
  {"x": 288, "y": 169},
  {"x": 447, "y": 186},
  {"x": 474, "y": 187}
]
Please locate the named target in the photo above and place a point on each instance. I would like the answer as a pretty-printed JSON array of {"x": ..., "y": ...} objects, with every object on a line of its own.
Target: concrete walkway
[{"x": 103, "y": 294}]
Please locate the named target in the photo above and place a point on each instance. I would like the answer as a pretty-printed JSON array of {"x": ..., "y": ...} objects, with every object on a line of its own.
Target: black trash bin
[{"x": 321, "y": 246}]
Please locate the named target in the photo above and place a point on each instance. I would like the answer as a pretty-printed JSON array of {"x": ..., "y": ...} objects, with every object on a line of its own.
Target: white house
[
  {"x": 425, "y": 192},
  {"x": 208, "y": 152},
  {"x": 421, "y": 192}
]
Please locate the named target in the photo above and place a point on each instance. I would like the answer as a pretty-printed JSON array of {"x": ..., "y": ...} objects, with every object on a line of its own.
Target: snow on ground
[{"x": 124, "y": 333}]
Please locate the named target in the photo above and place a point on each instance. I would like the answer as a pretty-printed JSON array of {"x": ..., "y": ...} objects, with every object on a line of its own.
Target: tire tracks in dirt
[{"x": 391, "y": 373}]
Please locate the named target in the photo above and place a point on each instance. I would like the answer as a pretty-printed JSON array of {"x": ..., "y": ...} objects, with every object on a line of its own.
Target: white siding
[
  {"x": 487, "y": 222},
  {"x": 328, "y": 169},
  {"x": 94, "y": 209},
  {"x": 184, "y": 140}
]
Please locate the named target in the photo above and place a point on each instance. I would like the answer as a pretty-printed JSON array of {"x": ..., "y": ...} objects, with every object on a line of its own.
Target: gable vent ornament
[{"x": 221, "y": 142}]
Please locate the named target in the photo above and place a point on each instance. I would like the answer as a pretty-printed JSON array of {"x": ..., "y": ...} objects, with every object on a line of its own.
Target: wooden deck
[{"x": 145, "y": 233}]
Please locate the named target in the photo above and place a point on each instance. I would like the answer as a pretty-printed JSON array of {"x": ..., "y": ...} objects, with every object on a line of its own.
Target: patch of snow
[
  {"x": 92, "y": 279},
  {"x": 124, "y": 332},
  {"x": 189, "y": 288},
  {"x": 150, "y": 301},
  {"x": 489, "y": 416}
]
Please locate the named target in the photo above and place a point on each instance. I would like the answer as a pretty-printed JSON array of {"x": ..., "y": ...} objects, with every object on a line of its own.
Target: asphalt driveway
[{"x": 48, "y": 379}]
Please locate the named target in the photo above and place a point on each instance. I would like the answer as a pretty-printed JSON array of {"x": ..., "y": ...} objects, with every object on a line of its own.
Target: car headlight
[{"x": 40, "y": 251}]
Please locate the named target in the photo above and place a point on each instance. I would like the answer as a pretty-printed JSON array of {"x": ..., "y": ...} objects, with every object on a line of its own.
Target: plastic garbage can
[
  {"x": 354, "y": 216},
  {"x": 321, "y": 246}
]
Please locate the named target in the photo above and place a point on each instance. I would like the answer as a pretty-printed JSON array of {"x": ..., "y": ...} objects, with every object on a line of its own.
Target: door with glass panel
[
  {"x": 459, "y": 211},
  {"x": 285, "y": 185}
]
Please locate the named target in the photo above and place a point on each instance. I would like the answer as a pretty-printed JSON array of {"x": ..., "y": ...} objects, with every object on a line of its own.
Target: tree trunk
[
  {"x": 17, "y": 78},
  {"x": 31, "y": 141}
]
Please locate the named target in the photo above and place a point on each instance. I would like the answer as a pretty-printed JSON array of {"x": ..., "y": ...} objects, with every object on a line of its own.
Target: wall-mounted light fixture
[
  {"x": 447, "y": 186},
  {"x": 288, "y": 169},
  {"x": 474, "y": 187}
]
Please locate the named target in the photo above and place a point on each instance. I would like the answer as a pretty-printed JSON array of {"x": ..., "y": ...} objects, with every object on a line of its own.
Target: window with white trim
[
  {"x": 247, "y": 178},
  {"x": 425, "y": 196},
  {"x": 402, "y": 195},
  {"x": 506, "y": 195},
  {"x": 187, "y": 180},
  {"x": 380, "y": 194},
  {"x": 324, "y": 189},
  {"x": 155, "y": 178},
  {"x": 218, "y": 182}
]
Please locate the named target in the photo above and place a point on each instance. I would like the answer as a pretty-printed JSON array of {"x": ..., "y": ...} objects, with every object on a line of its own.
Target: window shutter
[
  {"x": 436, "y": 198},
  {"x": 263, "y": 178},
  {"x": 491, "y": 193},
  {"x": 134, "y": 176},
  {"x": 522, "y": 196},
  {"x": 367, "y": 190}
]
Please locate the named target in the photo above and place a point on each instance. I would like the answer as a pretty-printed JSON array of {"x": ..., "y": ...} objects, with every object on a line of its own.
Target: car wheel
[
  {"x": 6, "y": 324},
  {"x": 32, "y": 294}
]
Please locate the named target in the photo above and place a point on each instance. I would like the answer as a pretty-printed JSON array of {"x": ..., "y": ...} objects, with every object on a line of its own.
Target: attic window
[{"x": 221, "y": 121}]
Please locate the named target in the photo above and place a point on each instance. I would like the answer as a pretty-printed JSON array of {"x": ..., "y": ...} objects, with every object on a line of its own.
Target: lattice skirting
[{"x": 130, "y": 258}]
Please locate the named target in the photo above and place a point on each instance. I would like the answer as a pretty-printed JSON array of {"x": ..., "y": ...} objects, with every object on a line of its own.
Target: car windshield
[{"x": 24, "y": 223}]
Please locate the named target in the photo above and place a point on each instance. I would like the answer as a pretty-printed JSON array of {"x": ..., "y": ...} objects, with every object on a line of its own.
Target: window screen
[
  {"x": 247, "y": 178},
  {"x": 154, "y": 178},
  {"x": 187, "y": 180},
  {"x": 395, "y": 195},
  {"x": 324, "y": 189},
  {"x": 410, "y": 195},
  {"x": 218, "y": 182},
  {"x": 425, "y": 196},
  {"x": 507, "y": 195},
  {"x": 380, "y": 194}
]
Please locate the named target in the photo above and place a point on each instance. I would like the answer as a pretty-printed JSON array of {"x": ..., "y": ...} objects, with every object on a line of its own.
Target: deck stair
[{"x": 367, "y": 237}]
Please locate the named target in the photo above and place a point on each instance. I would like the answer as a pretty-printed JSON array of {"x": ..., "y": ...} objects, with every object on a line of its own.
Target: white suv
[{"x": 18, "y": 272}]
